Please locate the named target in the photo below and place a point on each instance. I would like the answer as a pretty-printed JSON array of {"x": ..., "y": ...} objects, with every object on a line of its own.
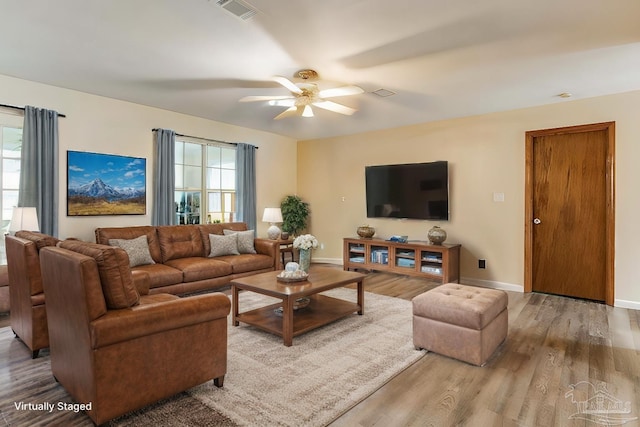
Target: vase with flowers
[{"x": 304, "y": 244}]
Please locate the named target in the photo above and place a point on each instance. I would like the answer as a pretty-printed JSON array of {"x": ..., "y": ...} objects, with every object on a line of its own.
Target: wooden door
[{"x": 569, "y": 231}]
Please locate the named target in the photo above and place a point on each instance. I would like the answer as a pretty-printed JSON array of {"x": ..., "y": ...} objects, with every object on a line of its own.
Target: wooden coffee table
[{"x": 321, "y": 310}]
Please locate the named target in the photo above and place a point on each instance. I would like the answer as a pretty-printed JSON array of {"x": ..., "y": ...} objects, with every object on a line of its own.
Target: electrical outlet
[
  {"x": 321, "y": 245},
  {"x": 482, "y": 263}
]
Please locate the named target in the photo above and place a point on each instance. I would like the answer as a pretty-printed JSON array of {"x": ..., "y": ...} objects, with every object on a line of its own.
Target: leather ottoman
[{"x": 464, "y": 322}]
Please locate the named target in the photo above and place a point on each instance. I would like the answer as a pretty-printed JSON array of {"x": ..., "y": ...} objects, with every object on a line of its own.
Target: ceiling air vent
[
  {"x": 237, "y": 8},
  {"x": 383, "y": 93}
]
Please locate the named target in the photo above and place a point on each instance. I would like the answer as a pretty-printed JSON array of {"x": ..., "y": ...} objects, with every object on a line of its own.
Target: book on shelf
[
  {"x": 432, "y": 258},
  {"x": 380, "y": 256},
  {"x": 405, "y": 262},
  {"x": 430, "y": 269}
]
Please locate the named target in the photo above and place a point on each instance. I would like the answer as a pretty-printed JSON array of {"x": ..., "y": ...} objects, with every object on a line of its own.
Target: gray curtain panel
[
  {"x": 164, "y": 178},
  {"x": 39, "y": 166},
  {"x": 246, "y": 184}
]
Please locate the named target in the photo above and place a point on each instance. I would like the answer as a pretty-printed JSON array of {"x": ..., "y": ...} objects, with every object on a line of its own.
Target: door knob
[{"x": 536, "y": 221}]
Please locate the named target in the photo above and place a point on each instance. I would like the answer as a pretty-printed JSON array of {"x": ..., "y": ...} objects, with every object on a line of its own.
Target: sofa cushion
[
  {"x": 115, "y": 273},
  {"x": 160, "y": 274},
  {"x": 137, "y": 249},
  {"x": 223, "y": 245},
  {"x": 180, "y": 241},
  {"x": 245, "y": 240},
  {"x": 199, "y": 268},
  {"x": 244, "y": 263}
]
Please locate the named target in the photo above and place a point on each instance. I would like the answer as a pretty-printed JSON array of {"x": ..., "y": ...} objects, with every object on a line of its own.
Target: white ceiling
[{"x": 443, "y": 59}]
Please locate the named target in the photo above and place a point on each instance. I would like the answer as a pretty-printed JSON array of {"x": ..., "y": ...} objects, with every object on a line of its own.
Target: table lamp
[
  {"x": 24, "y": 219},
  {"x": 272, "y": 216}
]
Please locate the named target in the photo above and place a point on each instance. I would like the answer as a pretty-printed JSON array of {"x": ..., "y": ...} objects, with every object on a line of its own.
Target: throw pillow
[
  {"x": 137, "y": 249},
  {"x": 223, "y": 245},
  {"x": 245, "y": 240}
]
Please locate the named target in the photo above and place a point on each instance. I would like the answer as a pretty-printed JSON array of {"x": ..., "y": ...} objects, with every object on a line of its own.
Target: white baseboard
[
  {"x": 337, "y": 261},
  {"x": 491, "y": 284},
  {"x": 633, "y": 305}
]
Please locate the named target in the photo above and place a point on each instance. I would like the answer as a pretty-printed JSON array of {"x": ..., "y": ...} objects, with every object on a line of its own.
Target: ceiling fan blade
[
  {"x": 288, "y": 84},
  {"x": 307, "y": 111},
  {"x": 264, "y": 98},
  {"x": 335, "y": 107},
  {"x": 340, "y": 91},
  {"x": 288, "y": 102},
  {"x": 291, "y": 111}
]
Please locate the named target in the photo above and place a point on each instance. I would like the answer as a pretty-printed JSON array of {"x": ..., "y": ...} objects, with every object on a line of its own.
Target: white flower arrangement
[{"x": 305, "y": 241}]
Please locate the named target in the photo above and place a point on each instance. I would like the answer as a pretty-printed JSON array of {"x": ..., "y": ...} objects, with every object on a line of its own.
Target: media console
[{"x": 414, "y": 258}]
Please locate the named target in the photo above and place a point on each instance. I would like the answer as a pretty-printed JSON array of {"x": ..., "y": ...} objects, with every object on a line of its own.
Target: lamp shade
[
  {"x": 272, "y": 215},
  {"x": 24, "y": 219}
]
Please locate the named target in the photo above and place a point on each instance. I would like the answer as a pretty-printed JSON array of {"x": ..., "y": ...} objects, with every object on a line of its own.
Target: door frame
[{"x": 530, "y": 136}]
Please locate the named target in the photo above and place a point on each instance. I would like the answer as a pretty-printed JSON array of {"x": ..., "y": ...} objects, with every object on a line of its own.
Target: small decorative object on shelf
[
  {"x": 284, "y": 235},
  {"x": 304, "y": 244},
  {"x": 365, "y": 231},
  {"x": 436, "y": 235}
]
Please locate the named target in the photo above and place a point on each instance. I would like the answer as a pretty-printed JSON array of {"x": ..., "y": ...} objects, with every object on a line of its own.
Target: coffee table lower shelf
[{"x": 321, "y": 310}]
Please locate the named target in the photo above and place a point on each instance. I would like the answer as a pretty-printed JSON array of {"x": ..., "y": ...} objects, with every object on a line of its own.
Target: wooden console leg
[
  {"x": 218, "y": 382},
  {"x": 34, "y": 354}
]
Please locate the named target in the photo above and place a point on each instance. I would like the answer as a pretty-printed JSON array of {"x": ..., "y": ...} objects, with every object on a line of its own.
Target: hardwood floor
[
  {"x": 559, "y": 351},
  {"x": 553, "y": 343}
]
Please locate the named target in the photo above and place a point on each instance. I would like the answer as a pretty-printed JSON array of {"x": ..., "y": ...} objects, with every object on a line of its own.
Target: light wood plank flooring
[{"x": 553, "y": 343}]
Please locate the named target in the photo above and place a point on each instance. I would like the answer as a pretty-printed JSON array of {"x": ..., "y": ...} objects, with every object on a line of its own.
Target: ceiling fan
[{"x": 305, "y": 94}]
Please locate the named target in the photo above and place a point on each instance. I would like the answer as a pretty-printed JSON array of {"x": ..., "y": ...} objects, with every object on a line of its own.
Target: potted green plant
[{"x": 295, "y": 213}]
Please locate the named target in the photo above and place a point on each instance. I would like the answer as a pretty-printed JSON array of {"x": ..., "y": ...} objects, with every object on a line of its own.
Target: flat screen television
[{"x": 415, "y": 190}]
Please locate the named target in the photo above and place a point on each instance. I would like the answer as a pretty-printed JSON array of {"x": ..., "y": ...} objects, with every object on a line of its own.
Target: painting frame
[{"x": 100, "y": 184}]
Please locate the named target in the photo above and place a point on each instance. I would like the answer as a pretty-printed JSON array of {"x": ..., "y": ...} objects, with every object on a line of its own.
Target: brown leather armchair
[
  {"x": 116, "y": 360},
  {"x": 28, "y": 313}
]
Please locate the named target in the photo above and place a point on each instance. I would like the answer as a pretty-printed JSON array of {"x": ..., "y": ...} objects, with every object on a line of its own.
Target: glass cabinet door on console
[
  {"x": 356, "y": 252},
  {"x": 405, "y": 258},
  {"x": 379, "y": 255},
  {"x": 431, "y": 262}
]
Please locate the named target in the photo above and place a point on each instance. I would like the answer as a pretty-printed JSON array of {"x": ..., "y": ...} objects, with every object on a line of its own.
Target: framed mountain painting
[{"x": 105, "y": 184}]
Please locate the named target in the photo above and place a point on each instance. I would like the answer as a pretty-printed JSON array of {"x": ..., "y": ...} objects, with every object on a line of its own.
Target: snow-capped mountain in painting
[{"x": 100, "y": 190}]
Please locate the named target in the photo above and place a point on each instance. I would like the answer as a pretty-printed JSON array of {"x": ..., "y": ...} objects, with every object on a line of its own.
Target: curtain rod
[
  {"x": 206, "y": 139},
  {"x": 22, "y": 108}
]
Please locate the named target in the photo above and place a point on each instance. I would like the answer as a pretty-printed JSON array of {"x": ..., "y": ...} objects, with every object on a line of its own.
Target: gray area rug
[{"x": 325, "y": 373}]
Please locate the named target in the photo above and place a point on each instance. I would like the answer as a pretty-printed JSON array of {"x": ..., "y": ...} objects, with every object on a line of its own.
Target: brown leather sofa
[
  {"x": 180, "y": 255},
  {"x": 28, "y": 314},
  {"x": 115, "y": 350}
]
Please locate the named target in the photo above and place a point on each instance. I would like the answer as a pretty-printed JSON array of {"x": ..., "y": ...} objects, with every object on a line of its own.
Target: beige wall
[
  {"x": 104, "y": 125},
  {"x": 486, "y": 155}
]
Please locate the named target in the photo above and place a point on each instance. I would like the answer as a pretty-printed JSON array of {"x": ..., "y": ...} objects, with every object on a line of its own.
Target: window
[
  {"x": 10, "y": 150},
  {"x": 205, "y": 182}
]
